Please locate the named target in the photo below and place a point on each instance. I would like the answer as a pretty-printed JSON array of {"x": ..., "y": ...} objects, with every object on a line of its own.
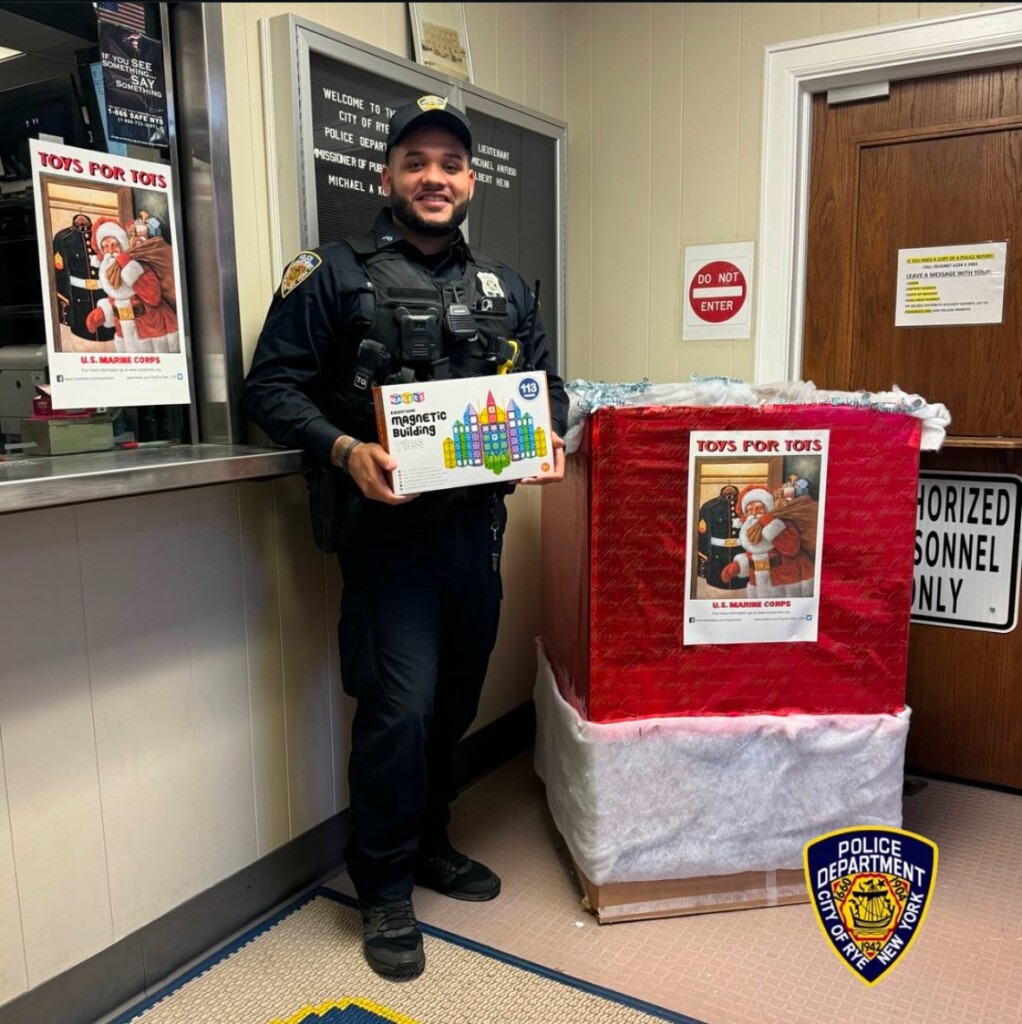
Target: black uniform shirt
[{"x": 285, "y": 391}]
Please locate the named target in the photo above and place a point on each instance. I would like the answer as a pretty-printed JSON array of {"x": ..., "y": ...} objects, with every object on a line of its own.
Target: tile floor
[{"x": 769, "y": 966}]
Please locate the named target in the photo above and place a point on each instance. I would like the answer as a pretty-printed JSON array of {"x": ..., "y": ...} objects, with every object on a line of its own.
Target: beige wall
[
  {"x": 170, "y": 706},
  {"x": 664, "y": 117}
]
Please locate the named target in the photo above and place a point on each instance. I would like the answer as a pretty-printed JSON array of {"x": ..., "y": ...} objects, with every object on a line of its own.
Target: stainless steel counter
[{"x": 70, "y": 479}]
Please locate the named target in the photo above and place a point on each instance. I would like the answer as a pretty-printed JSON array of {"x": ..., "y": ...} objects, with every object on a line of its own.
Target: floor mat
[{"x": 305, "y": 966}]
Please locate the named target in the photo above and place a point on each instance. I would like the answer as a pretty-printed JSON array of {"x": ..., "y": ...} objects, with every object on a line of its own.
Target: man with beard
[
  {"x": 774, "y": 560},
  {"x": 422, "y": 588},
  {"x": 135, "y": 304}
]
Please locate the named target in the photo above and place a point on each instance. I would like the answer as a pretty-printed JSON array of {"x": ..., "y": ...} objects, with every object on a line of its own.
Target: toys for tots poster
[
  {"x": 111, "y": 278},
  {"x": 755, "y": 529}
]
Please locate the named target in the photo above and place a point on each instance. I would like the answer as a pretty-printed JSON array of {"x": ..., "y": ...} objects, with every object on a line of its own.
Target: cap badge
[{"x": 425, "y": 103}]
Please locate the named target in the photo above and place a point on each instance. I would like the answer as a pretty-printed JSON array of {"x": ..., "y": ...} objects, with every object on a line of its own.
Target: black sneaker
[
  {"x": 453, "y": 874},
  {"x": 391, "y": 939}
]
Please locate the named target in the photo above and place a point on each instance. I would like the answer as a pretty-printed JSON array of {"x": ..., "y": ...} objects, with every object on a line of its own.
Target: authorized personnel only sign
[
  {"x": 966, "y": 553},
  {"x": 717, "y": 299}
]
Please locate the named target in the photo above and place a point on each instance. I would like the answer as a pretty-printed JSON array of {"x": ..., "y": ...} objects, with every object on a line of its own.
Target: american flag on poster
[{"x": 129, "y": 15}]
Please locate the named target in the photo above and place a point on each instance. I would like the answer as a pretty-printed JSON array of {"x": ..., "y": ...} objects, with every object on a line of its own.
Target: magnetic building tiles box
[{"x": 466, "y": 431}]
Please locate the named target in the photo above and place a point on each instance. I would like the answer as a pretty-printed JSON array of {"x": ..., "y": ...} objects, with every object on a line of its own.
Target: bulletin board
[{"x": 328, "y": 101}]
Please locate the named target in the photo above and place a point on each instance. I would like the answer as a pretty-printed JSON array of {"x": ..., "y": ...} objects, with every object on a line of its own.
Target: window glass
[{"x": 53, "y": 89}]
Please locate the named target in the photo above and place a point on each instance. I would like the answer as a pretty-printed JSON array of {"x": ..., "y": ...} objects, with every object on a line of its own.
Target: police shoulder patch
[
  {"x": 870, "y": 888},
  {"x": 297, "y": 271}
]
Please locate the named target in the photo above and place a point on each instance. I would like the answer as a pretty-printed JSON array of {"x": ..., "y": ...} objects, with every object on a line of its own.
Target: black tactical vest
[
  {"x": 404, "y": 287},
  {"x": 400, "y": 286}
]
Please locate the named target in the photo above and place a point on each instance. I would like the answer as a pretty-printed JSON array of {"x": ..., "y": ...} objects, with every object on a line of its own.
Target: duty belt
[{"x": 91, "y": 283}]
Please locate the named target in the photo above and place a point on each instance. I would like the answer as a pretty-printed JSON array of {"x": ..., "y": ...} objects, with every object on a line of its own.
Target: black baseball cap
[{"x": 428, "y": 110}]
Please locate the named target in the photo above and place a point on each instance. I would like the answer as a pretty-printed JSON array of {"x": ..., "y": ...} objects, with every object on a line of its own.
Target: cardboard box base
[
  {"x": 67, "y": 436},
  {"x": 641, "y": 901}
]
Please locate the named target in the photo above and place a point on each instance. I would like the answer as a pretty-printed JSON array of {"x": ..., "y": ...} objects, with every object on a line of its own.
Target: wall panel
[
  {"x": 49, "y": 749},
  {"x": 137, "y": 614}
]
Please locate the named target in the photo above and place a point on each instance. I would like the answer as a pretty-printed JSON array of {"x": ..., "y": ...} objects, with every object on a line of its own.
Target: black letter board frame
[{"x": 327, "y": 98}]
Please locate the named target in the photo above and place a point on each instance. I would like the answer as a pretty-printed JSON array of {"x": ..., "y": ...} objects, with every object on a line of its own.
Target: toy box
[
  {"x": 623, "y": 598},
  {"x": 472, "y": 430}
]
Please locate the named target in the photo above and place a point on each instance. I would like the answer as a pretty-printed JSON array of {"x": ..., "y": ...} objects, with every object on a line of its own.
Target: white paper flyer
[
  {"x": 755, "y": 536},
  {"x": 111, "y": 278}
]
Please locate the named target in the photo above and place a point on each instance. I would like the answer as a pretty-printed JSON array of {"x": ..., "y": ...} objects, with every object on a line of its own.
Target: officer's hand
[
  {"x": 554, "y": 474},
  {"x": 368, "y": 467}
]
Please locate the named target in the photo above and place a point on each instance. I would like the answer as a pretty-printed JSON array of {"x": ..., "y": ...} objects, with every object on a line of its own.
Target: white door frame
[{"x": 792, "y": 73}]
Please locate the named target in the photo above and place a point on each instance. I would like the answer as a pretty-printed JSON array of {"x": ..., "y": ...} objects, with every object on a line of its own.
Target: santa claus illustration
[
  {"x": 774, "y": 559},
  {"x": 137, "y": 291}
]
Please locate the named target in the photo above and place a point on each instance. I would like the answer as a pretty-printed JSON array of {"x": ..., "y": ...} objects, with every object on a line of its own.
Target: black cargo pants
[{"x": 419, "y": 614}]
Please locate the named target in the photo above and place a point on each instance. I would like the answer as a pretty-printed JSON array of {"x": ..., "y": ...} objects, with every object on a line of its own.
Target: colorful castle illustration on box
[{"x": 494, "y": 438}]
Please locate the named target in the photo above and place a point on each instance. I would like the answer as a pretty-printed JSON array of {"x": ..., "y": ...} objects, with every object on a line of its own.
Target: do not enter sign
[
  {"x": 718, "y": 292},
  {"x": 718, "y": 286}
]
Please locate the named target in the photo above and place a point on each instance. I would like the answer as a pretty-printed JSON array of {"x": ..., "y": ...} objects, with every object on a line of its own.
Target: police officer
[
  {"x": 77, "y": 276},
  {"x": 719, "y": 526},
  {"x": 422, "y": 585}
]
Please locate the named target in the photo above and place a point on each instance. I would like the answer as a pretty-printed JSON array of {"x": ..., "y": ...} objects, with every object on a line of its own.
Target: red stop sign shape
[{"x": 717, "y": 292}]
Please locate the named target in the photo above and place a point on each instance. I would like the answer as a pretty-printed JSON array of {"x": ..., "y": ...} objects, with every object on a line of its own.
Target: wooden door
[{"x": 937, "y": 163}]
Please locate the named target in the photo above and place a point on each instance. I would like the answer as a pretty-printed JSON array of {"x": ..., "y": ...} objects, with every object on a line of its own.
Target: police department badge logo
[
  {"x": 870, "y": 890},
  {"x": 298, "y": 270},
  {"x": 490, "y": 284},
  {"x": 343, "y": 1011},
  {"x": 425, "y": 103}
]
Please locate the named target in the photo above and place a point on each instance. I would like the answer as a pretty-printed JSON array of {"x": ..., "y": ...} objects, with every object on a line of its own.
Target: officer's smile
[{"x": 434, "y": 200}]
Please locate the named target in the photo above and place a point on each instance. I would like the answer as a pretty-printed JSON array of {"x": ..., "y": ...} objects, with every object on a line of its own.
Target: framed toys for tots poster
[{"x": 111, "y": 277}]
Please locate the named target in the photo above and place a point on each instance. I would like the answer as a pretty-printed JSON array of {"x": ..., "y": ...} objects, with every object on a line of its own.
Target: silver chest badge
[{"x": 490, "y": 284}]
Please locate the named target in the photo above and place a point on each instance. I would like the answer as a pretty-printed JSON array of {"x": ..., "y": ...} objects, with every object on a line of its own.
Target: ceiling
[{"x": 47, "y": 51}]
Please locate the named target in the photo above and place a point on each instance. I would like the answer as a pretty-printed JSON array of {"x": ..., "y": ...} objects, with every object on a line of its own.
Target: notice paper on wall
[{"x": 951, "y": 284}]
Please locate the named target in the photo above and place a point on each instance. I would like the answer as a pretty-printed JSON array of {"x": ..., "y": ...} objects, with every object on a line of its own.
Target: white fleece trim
[
  {"x": 759, "y": 494},
  {"x": 132, "y": 271},
  {"x": 108, "y": 312}
]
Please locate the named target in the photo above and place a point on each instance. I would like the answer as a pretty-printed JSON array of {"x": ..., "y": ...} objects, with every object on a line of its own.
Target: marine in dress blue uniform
[
  {"x": 76, "y": 272},
  {"x": 718, "y": 537}
]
